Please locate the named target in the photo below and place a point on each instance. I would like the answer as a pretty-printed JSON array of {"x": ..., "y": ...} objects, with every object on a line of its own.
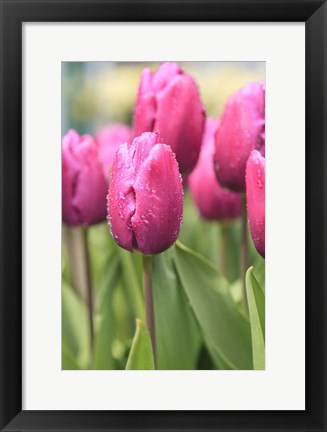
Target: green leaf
[
  {"x": 229, "y": 244},
  {"x": 178, "y": 337},
  {"x": 256, "y": 304},
  {"x": 106, "y": 326},
  {"x": 224, "y": 328},
  {"x": 75, "y": 331},
  {"x": 259, "y": 271},
  {"x": 132, "y": 280},
  {"x": 141, "y": 355},
  {"x": 68, "y": 361},
  {"x": 102, "y": 249},
  {"x": 210, "y": 239}
]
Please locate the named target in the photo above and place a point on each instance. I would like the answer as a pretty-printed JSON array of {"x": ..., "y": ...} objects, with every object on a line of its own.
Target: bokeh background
[{"x": 97, "y": 93}]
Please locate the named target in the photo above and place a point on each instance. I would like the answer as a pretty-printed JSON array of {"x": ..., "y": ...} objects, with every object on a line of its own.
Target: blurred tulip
[
  {"x": 84, "y": 187},
  {"x": 145, "y": 202},
  {"x": 213, "y": 201},
  {"x": 108, "y": 140},
  {"x": 168, "y": 100},
  {"x": 255, "y": 197},
  {"x": 242, "y": 130}
]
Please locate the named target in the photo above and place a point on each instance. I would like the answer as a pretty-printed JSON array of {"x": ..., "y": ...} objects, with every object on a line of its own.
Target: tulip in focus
[
  {"x": 255, "y": 197},
  {"x": 213, "y": 201},
  {"x": 242, "y": 130},
  {"x": 84, "y": 187},
  {"x": 145, "y": 200},
  {"x": 108, "y": 140},
  {"x": 168, "y": 100}
]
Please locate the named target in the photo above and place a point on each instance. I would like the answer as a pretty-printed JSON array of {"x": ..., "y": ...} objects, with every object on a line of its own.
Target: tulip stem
[
  {"x": 244, "y": 251},
  {"x": 72, "y": 238},
  {"x": 223, "y": 248},
  {"x": 89, "y": 297},
  {"x": 149, "y": 308}
]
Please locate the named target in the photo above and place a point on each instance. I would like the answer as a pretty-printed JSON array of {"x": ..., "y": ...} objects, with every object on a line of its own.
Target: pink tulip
[
  {"x": 242, "y": 130},
  {"x": 84, "y": 187},
  {"x": 108, "y": 140},
  {"x": 213, "y": 201},
  {"x": 255, "y": 197},
  {"x": 168, "y": 100},
  {"x": 145, "y": 201}
]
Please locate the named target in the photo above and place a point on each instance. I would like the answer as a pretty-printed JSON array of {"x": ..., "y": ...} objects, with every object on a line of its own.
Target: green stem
[
  {"x": 149, "y": 307},
  {"x": 222, "y": 265},
  {"x": 244, "y": 251},
  {"x": 89, "y": 296}
]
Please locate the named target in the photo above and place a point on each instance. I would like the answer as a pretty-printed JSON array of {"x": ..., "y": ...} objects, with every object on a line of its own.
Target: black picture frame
[{"x": 13, "y": 14}]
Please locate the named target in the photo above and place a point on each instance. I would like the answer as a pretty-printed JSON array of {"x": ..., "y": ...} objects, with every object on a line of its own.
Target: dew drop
[{"x": 259, "y": 183}]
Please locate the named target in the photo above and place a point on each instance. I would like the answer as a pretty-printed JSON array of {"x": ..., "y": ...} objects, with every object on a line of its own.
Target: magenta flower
[
  {"x": 213, "y": 201},
  {"x": 242, "y": 130},
  {"x": 84, "y": 187},
  {"x": 145, "y": 201},
  {"x": 108, "y": 140},
  {"x": 255, "y": 197},
  {"x": 168, "y": 100}
]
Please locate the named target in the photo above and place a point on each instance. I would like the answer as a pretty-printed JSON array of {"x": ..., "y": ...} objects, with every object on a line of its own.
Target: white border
[{"x": 281, "y": 386}]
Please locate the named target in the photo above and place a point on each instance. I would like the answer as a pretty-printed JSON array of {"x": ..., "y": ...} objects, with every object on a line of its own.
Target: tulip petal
[
  {"x": 164, "y": 75},
  {"x": 169, "y": 101},
  {"x": 146, "y": 105},
  {"x": 68, "y": 181},
  {"x": 142, "y": 146},
  {"x": 145, "y": 200},
  {"x": 83, "y": 184},
  {"x": 91, "y": 188},
  {"x": 255, "y": 197},
  {"x": 108, "y": 140},
  {"x": 159, "y": 201},
  {"x": 213, "y": 201},
  {"x": 180, "y": 119},
  {"x": 121, "y": 198},
  {"x": 242, "y": 130}
]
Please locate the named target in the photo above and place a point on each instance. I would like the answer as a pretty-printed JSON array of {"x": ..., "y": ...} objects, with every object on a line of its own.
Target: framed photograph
[{"x": 156, "y": 272}]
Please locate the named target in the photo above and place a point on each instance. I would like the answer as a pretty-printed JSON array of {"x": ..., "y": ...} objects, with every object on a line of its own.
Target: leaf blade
[
  {"x": 256, "y": 304},
  {"x": 75, "y": 331},
  {"x": 141, "y": 355},
  {"x": 105, "y": 330},
  {"x": 220, "y": 320},
  {"x": 177, "y": 334}
]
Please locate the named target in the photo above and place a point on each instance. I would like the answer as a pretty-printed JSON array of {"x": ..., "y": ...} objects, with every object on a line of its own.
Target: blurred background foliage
[{"x": 95, "y": 94}]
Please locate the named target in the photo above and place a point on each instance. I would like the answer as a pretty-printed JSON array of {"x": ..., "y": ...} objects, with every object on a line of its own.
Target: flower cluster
[{"x": 133, "y": 175}]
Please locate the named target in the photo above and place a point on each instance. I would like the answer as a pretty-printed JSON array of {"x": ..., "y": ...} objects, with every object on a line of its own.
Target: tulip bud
[
  {"x": 84, "y": 187},
  {"x": 255, "y": 198},
  {"x": 168, "y": 100},
  {"x": 145, "y": 201},
  {"x": 213, "y": 201},
  {"x": 108, "y": 140},
  {"x": 242, "y": 130}
]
